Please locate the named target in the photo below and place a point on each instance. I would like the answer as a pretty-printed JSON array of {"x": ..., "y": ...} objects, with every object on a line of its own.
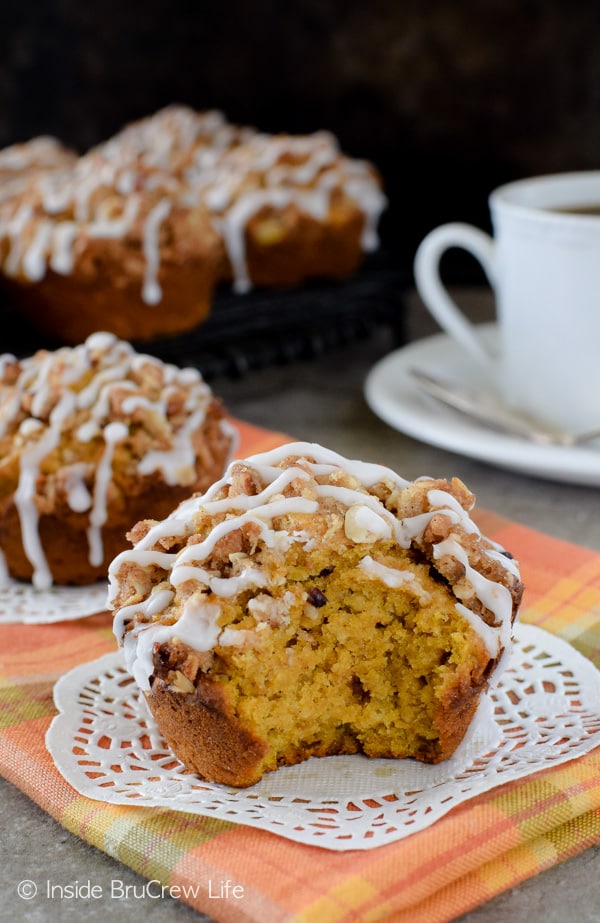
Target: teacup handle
[{"x": 432, "y": 291}]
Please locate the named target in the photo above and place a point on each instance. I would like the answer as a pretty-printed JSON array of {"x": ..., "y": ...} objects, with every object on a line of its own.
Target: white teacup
[{"x": 543, "y": 264}]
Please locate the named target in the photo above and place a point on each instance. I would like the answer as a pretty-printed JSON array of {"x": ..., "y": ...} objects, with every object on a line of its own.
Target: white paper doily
[
  {"x": 21, "y": 602},
  {"x": 544, "y": 711}
]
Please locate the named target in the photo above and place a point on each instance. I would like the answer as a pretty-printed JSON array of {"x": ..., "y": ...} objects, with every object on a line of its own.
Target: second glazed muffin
[{"x": 91, "y": 438}]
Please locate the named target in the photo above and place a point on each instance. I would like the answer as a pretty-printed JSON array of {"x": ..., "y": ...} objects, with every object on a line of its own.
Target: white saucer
[{"x": 393, "y": 395}]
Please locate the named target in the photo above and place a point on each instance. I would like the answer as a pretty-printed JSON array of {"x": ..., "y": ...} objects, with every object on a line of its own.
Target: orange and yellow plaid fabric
[{"x": 478, "y": 850}]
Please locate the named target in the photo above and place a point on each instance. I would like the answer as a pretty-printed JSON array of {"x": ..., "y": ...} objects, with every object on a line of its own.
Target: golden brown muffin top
[{"x": 232, "y": 542}]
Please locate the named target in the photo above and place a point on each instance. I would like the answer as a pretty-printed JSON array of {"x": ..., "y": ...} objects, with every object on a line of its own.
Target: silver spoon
[{"x": 482, "y": 407}]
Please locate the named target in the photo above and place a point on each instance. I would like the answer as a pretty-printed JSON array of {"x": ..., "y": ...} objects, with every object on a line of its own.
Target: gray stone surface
[{"x": 318, "y": 400}]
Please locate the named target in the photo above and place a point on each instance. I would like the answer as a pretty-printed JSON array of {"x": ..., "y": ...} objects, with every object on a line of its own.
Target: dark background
[{"x": 448, "y": 99}]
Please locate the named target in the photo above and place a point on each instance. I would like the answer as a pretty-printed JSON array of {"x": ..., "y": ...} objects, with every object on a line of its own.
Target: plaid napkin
[{"x": 478, "y": 850}]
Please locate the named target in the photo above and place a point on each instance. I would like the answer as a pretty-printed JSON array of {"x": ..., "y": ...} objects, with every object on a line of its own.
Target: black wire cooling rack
[{"x": 263, "y": 328}]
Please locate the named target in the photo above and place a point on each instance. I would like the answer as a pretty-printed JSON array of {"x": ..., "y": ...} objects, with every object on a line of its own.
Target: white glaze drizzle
[
  {"x": 31, "y": 458},
  {"x": 493, "y": 595},
  {"x": 113, "y": 433},
  {"x": 61, "y": 254},
  {"x": 78, "y": 495},
  {"x": 233, "y": 225},
  {"x": 177, "y": 464},
  {"x": 442, "y": 499},
  {"x": 20, "y": 162},
  {"x": 498, "y": 554},
  {"x": 198, "y": 619},
  {"x": 151, "y": 292},
  {"x": 370, "y": 521},
  {"x": 52, "y": 383},
  {"x": 394, "y": 578}
]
